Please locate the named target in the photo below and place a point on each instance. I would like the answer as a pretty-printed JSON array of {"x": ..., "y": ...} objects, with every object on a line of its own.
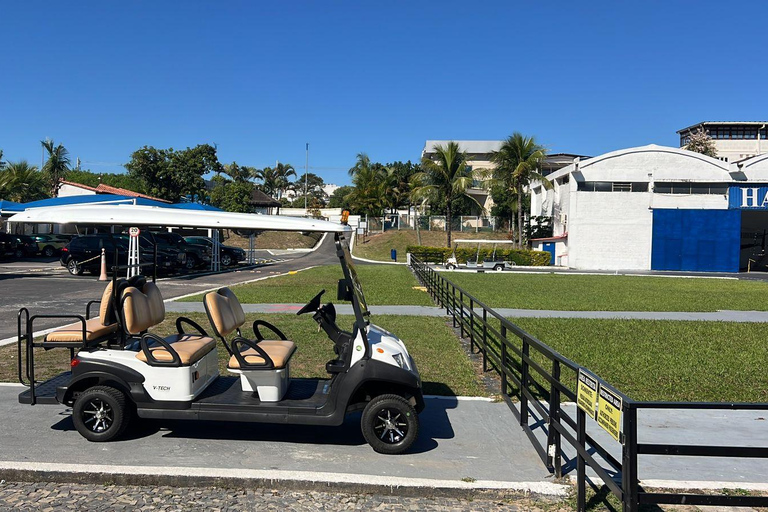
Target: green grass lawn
[
  {"x": 612, "y": 293},
  {"x": 377, "y": 247},
  {"x": 444, "y": 368},
  {"x": 382, "y": 284},
  {"x": 665, "y": 360}
]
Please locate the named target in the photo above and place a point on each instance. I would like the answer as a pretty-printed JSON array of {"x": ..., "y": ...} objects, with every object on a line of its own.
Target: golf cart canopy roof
[
  {"x": 135, "y": 215},
  {"x": 484, "y": 241}
]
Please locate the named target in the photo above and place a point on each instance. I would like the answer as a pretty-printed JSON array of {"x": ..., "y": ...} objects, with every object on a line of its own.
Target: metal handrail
[{"x": 518, "y": 368}]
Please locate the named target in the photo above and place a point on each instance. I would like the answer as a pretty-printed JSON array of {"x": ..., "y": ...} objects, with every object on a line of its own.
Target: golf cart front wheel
[
  {"x": 390, "y": 424},
  {"x": 100, "y": 414},
  {"x": 450, "y": 266},
  {"x": 498, "y": 268}
]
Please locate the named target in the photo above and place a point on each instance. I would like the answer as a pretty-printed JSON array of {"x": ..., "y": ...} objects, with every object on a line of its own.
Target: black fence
[{"x": 541, "y": 379}]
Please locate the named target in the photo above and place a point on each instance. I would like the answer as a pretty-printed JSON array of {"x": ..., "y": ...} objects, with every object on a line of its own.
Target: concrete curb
[{"x": 288, "y": 480}]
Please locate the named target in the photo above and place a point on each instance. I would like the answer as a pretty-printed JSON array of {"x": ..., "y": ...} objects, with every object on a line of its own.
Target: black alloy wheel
[
  {"x": 100, "y": 414},
  {"x": 226, "y": 260},
  {"x": 190, "y": 263},
  {"x": 49, "y": 251},
  {"x": 390, "y": 424}
]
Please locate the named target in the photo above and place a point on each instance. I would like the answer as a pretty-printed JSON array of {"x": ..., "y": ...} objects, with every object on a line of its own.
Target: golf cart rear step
[{"x": 45, "y": 391}]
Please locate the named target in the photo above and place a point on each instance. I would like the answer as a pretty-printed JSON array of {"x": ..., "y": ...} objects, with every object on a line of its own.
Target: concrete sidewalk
[
  {"x": 474, "y": 440},
  {"x": 346, "y": 309}
]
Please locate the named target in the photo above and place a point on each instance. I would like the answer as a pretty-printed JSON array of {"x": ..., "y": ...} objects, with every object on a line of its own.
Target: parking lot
[{"x": 45, "y": 287}]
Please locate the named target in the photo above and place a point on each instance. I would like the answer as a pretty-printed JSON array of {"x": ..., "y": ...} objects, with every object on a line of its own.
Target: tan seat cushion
[
  {"x": 223, "y": 319},
  {"x": 190, "y": 347},
  {"x": 73, "y": 333},
  {"x": 280, "y": 351},
  {"x": 155, "y": 301},
  {"x": 105, "y": 309}
]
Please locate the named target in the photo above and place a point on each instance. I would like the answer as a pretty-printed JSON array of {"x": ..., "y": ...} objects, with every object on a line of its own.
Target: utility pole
[{"x": 306, "y": 176}]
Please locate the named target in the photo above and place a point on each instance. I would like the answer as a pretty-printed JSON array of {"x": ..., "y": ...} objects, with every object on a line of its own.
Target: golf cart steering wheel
[{"x": 312, "y": 305}]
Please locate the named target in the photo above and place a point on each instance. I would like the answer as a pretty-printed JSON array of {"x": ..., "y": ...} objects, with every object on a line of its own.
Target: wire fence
[{"x": 459, "y": 224}]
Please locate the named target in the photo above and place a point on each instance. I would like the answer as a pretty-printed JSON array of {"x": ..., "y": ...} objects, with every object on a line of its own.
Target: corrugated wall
[{"x": 696, "y": 240}]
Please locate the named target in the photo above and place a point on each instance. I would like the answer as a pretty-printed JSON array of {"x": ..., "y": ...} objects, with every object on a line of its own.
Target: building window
[
  {"x": 609, "y": 186},
  {"x": 691, "y": 188}
]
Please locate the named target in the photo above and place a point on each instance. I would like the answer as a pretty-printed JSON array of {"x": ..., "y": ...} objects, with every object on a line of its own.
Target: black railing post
[
  {"x": 471, "y": 323},
  {"x": 485, "y": 329},
  {"x": 503, "y": 368},
  {"x": 453, "y": 305},
  {"x": 581, "y": 470},
  {"x": 461, "y": 311},
  {"x": 629, "y": 476},
  {"x": 554, "y": 462},
  {"x": 524, "y": 383}
]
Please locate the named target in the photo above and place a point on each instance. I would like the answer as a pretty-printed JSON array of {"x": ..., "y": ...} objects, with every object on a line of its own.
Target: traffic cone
[{"x": 103, "y": 276}]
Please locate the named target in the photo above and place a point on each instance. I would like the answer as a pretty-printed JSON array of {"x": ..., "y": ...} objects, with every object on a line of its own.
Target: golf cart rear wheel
[
  {"x": 498, "y": 268},
  {"x": 390, "y": 424},
  {"x": 100, "y": 414},
  {"x": 450, "y": 266},
  {"x": 74, "y": 268}
]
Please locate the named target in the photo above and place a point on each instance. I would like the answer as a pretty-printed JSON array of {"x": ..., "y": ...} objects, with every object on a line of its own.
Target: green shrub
[{"x": 523, "y": 257}]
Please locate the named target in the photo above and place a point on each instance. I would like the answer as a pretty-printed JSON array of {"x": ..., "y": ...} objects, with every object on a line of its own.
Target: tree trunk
[
  {"x": 520, "y": 217},
  {"x": 448, "y": 220}
]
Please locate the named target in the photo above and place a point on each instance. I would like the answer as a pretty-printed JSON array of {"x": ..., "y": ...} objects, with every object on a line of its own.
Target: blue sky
[{"x": 260, "y": 79}]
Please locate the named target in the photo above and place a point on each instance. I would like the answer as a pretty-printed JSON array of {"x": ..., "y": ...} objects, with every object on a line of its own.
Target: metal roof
[
  {"x": 137, "y": 215},
  {"x": 723, "y": 123}
]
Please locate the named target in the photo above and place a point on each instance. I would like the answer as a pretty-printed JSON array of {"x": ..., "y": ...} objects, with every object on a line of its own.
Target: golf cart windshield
[{"x": 357, "y": 288}]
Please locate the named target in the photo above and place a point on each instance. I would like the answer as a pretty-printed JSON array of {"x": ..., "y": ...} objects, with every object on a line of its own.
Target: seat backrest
[
  {"x": 223, "y": 316},
  {"x": 234, "y": 304},
  {"x": 137, "y": 314},
  {"x": 156, "y": 304},
  {"x": 107, "y": 306}
]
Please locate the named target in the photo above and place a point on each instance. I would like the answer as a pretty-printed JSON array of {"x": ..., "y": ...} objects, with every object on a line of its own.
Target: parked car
[
  {"x": 8, "y": 244},
  {"x": 197, "y": 255},
  {"x": 50, "y": 245},
  {"x": 229, "y": 255},
  {"x": 83, "y": 254},
  {"x": 25, "y": 246}
]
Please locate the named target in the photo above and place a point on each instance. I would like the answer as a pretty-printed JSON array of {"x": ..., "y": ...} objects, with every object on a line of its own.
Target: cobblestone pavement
[{"x": 54, "y": 497}]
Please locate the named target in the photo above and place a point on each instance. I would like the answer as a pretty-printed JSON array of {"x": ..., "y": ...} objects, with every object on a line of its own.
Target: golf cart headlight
[{"x": 399, "y": 359}]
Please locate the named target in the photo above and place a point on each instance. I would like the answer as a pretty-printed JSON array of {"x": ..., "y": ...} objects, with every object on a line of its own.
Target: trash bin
[{"x": 393, "y": 254}]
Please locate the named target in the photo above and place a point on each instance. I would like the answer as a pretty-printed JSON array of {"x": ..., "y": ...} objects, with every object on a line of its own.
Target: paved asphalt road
[{"x": 47, "y": 288}]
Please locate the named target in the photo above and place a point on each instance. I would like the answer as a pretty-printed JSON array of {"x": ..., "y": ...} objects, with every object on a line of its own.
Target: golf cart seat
[
  {"x": 89, "y": 331},
  {"x": 144, "y": 308},
  {"x": 263, "y": 364}
]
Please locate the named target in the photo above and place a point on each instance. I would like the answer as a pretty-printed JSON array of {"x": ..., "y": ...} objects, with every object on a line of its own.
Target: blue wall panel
[{"x": 696, "y": 240}]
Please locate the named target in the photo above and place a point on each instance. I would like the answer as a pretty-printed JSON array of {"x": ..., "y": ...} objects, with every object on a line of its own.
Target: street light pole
[{"x": 306, "y": 176}]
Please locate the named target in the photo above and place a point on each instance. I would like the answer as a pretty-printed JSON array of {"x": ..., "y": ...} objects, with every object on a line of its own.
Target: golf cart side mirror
[{"x": 344, "y": 292}]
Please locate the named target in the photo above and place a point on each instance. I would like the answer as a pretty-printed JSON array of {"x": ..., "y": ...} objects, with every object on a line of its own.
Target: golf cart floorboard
[
  {"x": 302, "y": 393},
  {"x": 45, "y": 392}
]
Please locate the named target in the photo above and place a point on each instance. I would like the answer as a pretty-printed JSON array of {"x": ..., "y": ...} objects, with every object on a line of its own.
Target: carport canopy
[{"x": 137, "y": 215}]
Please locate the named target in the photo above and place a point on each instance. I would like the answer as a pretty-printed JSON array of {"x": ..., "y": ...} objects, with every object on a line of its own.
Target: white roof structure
[{"x": 136, "y": 215}]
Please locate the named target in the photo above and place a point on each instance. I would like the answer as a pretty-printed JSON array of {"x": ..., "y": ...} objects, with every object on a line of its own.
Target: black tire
[
  {"x": 74, "y": 268},
  {"x": 19, "y": 253},
  {"x": 226, "y": 260},
  {"x": 190, "y": 263},
  {"x": 390, "y": 424},
  {"x": 49, "y": 251},
  {"x": 498, "y": 268},
  {"x": 100, "y": 414},
  {"x": 450, "y": 266}
]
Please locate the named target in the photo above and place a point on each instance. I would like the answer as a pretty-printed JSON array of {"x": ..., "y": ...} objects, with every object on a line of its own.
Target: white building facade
[
  {"x": 734, "y": 140},
  {"x": 656, "y": 208}
]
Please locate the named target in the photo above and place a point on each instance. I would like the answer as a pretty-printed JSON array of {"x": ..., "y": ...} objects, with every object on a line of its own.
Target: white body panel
[
  {"x": 162, "y": 383},
  {"x": 271, "y": 385},
  {"x": 385, "y": 347}
]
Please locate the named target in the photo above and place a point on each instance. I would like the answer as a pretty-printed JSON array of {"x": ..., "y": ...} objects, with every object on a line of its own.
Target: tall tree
[
  {"x": 173, "y": 175},
  {"x": 2, "y": 164},
  {"x": 444, "y": 179},
  {"x": 232, "y": 195},
  {"x": 340, "y": 198},
  {"x": 238, "y": 173},
  {"x": 275, "y": 180},
  {"x": 21, "y": 182},
  {"x": 57, "y": 165},
  {"x": 700, "y": 142},
  {"x": 518, "y": 161},
  {"x": 372, "y": 183},
  {"x": 314, "y": 185}
]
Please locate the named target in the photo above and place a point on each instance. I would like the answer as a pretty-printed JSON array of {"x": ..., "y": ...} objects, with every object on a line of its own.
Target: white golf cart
[
  {"x": 489, "y": 263},
  {"x": 121, "y": 369}
]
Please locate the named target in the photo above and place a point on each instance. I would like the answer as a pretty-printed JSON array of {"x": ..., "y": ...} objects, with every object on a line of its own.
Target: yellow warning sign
[
  {"x": 586, "y": 393},
  {"x": 609, "y": 412}
]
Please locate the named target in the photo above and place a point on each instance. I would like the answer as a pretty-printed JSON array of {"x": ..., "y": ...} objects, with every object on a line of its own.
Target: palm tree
[
  {"x": 21, "y": 182},
  {"x": 446, "y": 177},
  {"x": 56, "y": 166},
  {"x": 518, "y": 161},
  {"x": 2, "y": 164},
  {"x": 275, "y": 180}
]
